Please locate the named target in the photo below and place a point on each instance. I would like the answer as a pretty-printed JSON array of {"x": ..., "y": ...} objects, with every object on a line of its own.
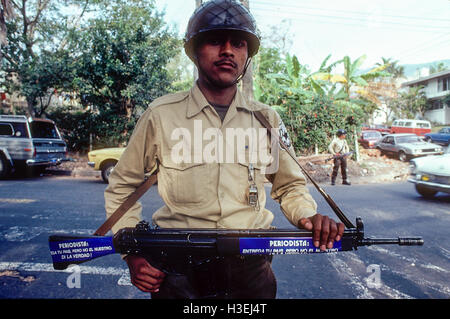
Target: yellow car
[{"x": 104, "y": 160}]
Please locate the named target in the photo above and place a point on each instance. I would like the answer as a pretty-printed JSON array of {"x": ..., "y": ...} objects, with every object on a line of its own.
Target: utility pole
[
  {"x": 198, "y": 3},
  {"x": 247, "y": 80}
]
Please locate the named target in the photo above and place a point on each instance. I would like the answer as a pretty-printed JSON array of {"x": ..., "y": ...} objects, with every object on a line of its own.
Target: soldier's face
[{"x": 221, "y": 57}]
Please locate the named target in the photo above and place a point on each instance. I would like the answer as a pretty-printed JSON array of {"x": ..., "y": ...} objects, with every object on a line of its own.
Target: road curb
[{"x": 74, "y": 173}]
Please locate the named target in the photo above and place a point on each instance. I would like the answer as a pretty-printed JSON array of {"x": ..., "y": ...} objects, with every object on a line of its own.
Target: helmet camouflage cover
[{"x": 221, "y": 15}]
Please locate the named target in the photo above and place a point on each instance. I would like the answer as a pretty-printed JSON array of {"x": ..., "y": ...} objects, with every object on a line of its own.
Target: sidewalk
[
  {"x": 372, "y": 168},
  {"x": 76, "y": 168}
]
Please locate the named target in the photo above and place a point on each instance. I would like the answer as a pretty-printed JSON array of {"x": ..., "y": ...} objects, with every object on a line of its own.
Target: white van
[{"x": 418, "y": 127}]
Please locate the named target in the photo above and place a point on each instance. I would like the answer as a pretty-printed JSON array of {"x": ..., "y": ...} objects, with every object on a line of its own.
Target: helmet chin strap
[{"x": 247, "y": 63}]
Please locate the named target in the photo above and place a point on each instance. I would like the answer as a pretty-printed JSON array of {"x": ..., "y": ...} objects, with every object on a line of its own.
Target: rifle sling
[
  {"x": 126, "y": 205},
  {"x": 144, "y": 187},
  {"x": 262, "y": 119}
]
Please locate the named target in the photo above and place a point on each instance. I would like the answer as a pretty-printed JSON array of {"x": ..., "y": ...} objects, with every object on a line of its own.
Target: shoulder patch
[{"x": 284, "y": 135}]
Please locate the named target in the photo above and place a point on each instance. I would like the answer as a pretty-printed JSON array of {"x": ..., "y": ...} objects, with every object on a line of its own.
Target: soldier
[
  {"x": 339, "y": 147},
  {"x": 226, "y": 192}
]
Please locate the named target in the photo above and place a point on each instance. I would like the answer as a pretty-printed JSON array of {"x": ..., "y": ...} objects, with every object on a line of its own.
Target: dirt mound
[{"x": 372, "y": 167}]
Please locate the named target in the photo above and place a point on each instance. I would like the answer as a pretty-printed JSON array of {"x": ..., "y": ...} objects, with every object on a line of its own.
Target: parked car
[
  {"x": 441, "y": 137},
  {"x": 431, "y": 174},
  {"x": 383, "y": 129},
  {"x": 418, "y": 127},
  {"x": 104, "y": 160},
  {"x": 406, "y": 146},
  {"x": 368, "y": 139},
  {"x": 29, "y": 144}
]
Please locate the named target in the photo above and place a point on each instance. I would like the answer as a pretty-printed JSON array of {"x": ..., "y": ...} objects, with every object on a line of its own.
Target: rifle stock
[{"x": 184, "y": 243}]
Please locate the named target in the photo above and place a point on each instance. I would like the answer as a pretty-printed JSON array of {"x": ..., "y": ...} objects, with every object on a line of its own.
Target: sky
[{"x": 407, "y": 31}]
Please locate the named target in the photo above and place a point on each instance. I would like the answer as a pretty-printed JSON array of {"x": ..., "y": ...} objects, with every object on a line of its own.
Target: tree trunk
[{"x": 30, "y": 105}]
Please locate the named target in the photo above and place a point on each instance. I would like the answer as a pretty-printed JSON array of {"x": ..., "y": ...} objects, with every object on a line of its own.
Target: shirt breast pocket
[{"x": 185, "y": 183}]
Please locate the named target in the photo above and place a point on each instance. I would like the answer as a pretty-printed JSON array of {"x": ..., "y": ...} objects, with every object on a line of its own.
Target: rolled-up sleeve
[
  {"x": 289, "y": 189},
  {"x": 138, "y": 159}
]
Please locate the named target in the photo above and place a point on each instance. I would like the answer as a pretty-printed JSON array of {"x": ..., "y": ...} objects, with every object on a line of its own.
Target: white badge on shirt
[{"x": 284, "y": 135}]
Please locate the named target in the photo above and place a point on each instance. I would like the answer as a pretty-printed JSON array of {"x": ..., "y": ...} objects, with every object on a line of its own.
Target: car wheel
[
  {"x": 425, "y": 192},
  {"x": 402, "y": 156},
  {"x": 106, "y": 171},
  {"x": 4, "y": 167}
]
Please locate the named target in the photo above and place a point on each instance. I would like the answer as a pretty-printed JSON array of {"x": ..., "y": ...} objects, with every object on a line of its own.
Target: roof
[
  {"x": 23, "y": 119},
  {"x": 427, "y": 78},
  {"x": 401, "y": 134}
]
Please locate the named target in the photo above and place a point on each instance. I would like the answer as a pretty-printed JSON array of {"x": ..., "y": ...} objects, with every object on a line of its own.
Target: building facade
[{"x": 437, "y": 89}]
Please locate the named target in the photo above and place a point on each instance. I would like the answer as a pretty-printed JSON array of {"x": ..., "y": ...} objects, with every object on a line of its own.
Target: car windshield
[
  {"x": 372, "y": 135},
  {"x": 408, "y": 139},
  {"x": 43, "y": 130}
]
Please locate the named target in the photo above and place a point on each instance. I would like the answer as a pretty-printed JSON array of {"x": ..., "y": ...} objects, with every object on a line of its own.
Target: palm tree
[
  {"x": 396, "y": 71},
  {"x": 354, "y": 82}
]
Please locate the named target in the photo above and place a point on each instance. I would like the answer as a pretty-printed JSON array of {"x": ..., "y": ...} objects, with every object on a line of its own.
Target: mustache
[{"x": 225, "y": 61}]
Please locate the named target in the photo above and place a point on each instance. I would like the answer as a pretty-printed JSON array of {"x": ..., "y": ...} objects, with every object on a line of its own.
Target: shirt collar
[{"x": 197, "y": 102}]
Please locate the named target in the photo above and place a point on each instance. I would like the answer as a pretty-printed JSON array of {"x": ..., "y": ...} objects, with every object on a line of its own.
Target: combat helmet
[{"x": 221, "y": 15}]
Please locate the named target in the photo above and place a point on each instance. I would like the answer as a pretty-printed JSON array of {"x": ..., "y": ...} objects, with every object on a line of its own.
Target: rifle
[
  {"x": 339, "y": 156},
  {"x": 188, "y": 244}
]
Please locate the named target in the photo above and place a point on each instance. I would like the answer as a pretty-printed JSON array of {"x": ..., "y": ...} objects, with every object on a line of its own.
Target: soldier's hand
[
  {"x": 143, "y": 275},
  {"x": 324, "y": 229}
]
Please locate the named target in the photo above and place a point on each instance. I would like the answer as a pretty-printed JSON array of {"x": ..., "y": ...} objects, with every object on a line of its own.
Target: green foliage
[
  {"x": 308, "y": 105},
  {"x": 118, "y": 67},
  {"x": 81, "y": 128},
  {"x": 113, "y": 62},
  {"x": 34, "y": 61},
  {"x": 410, "y": 103},
  {"x": 313, "y": 122},
  {"x": 121, "y": 65}
]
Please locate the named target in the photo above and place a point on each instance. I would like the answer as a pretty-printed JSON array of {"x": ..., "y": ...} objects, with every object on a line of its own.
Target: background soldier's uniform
[
  {"x": 207, "y": 195},
  {"x": 336, "y": 146}
]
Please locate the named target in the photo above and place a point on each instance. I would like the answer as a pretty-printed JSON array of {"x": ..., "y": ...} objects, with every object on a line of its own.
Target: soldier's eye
[
  {"x": 238, "y": 43},
  {"x": 214, "y": 41}
]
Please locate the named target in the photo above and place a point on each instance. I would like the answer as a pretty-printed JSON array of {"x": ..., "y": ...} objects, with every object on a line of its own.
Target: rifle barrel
[{"x": 402, "y": 241}]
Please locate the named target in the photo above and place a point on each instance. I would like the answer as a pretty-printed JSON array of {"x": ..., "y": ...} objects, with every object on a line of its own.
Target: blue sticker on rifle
[
  {"x": 282, "y": 246},
  {"x": 82, "y": 249}
]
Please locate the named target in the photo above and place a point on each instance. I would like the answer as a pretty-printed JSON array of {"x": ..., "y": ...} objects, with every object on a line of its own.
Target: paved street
[{"x": 33, "y": 208}]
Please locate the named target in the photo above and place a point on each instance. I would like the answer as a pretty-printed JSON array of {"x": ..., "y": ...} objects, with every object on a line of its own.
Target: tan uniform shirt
[
  {"x": 180, "y": 133},
  {"x": 338, "y": 145}
]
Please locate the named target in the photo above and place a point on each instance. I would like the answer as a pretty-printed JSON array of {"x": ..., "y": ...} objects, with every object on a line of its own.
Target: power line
[
  {"x": 434, "y": 45},
  {"x": 321, "y": 9},
  {"x": 344, "y": 23},
  {"x": 344, "y": 20}
]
